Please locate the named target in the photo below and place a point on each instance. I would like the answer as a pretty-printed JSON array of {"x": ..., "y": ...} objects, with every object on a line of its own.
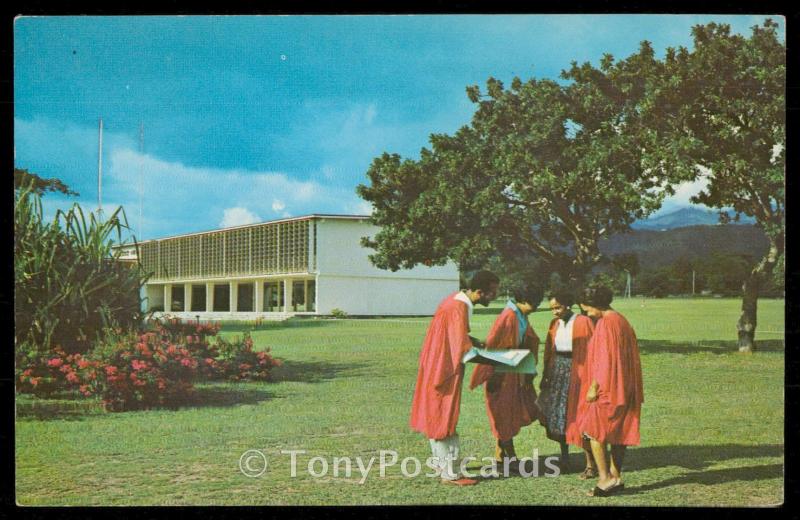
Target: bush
[
  {"x": 159, "y": 367},
  {"x": 240, "y": 363},
  {"x": 58, "y": 372},
  {"x": 68, "y": 284},
  {"x": 147, "y": 371},
  {"x": 130, "y": 370},
  {"x": 338, "y": 313}
]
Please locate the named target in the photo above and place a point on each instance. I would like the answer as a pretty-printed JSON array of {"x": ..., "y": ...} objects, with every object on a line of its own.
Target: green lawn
[{"x": 712, "y": 423}]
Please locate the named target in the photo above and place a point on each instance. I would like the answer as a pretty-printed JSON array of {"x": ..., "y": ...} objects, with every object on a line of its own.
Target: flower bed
[{"x": 152, "y": 369}]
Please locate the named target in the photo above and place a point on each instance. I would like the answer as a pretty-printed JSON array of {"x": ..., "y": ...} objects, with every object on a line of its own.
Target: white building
[{"x": 304, "y": 265}]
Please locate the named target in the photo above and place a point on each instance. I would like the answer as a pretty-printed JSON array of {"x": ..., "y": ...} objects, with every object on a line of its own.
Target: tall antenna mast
[
  {"x": 100, "y": 170},
  {"x": 141, "y": 182}
]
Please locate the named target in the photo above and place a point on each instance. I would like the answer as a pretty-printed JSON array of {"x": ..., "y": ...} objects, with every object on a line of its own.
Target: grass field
[{"x": 712, "y": 423}]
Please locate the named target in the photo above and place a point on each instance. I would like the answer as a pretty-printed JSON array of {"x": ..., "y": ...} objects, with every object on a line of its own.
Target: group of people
[{"x": 590, "y": 393}]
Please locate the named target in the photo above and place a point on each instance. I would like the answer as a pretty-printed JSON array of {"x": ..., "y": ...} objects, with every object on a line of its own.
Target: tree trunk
[{"x": 746, "y": 326}]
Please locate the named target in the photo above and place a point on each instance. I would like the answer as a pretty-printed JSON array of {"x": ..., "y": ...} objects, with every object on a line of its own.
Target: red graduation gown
[
  {"x": 613, "y": 362},
  {"x": 437, "y": 396},
  {"x": 513, "y": 405},
  {"x": 582, "y": 330}
]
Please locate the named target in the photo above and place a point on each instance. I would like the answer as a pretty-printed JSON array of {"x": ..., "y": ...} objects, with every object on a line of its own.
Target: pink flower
[
  {"x": 186, "y": 362},
  {"x": 111, "y": 370},
  {"x": 55, "y": 362},
  {"x": 72, "y": 377},
  {"x": 83, "y": 363}
]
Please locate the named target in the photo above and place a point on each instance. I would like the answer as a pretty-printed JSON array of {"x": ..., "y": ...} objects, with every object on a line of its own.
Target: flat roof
[{"x": 289, "y": 219}]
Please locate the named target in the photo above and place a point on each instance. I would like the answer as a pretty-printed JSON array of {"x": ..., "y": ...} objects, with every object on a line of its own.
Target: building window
[
  {"x": 273, "y": 296},
  {"x": 199, "y": 298},
  {"x": 244, "y": 297},
  {"x": 311, "y": 292},
  {"x": 222, "y": 298},
  {"x": 177, "y": 298},
  {"x": 299, "y": 296}
]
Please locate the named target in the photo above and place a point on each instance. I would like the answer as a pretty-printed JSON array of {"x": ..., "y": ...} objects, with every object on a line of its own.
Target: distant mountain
[
  {"x": 660, "y": 248},
  {"x": 683, "y": 217}
]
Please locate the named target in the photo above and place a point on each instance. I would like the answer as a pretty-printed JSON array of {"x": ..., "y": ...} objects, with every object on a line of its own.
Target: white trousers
[{"x": 445, "y": 455}]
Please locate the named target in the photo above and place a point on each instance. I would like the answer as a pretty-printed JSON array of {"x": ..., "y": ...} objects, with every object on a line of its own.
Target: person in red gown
[
  {"x": 564, "y": 379},
  {"x": 609, "y": 413},
  {"x": 437, "y": 395},
  {"x": 510, "y": 398}
]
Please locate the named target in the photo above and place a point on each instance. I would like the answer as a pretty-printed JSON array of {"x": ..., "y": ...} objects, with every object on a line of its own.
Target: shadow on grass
[
  {"x": 713, "y": 477},
  {"x": 207, "y": 395},
  {"x": 647, "y": 346},
  {"x": 693, "y": 457},
  {"x": 47, "y": 409},
  {"x": 697, "y": 459},
  {"x": 211, "y": 395},
  {"x": 314, "y": 371}
]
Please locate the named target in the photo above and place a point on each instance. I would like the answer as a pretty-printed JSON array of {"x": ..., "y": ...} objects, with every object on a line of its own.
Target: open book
[{"x": 519, "y": 361}]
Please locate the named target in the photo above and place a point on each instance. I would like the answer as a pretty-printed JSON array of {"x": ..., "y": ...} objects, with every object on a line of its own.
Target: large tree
[
  {"x": 543, "y": 170},
  {"x": 718, "y": 112}
]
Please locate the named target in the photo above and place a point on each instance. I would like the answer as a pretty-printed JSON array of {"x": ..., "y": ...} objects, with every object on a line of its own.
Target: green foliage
[
  {"x": 543, "y": 171},
  {"x": 25, "y": 179},
  {"x": 338, "y": 313},
  {"x": 719, "y": 112},
  {"x": 68, "y": 283}
]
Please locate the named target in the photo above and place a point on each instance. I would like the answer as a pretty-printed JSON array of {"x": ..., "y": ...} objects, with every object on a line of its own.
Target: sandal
[
  {"x": 588, "y": 473},
  {"x": 610, "y": 491}
]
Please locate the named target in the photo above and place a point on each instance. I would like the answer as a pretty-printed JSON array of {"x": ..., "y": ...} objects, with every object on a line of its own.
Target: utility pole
[
  {"x": 141, "y": 185},
  {"x": 100, "y": 171},
  {"x": 692, "y": 282},
  {"x": 628, "y": 284}
]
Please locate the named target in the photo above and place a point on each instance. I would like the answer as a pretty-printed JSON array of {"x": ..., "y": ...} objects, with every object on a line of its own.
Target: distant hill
[
  {"x": 660, "y": 248},
  {"x": 689, "y": 216}
]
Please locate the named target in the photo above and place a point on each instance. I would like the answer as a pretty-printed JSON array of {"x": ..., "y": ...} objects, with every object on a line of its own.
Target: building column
[
  {"x": 287, "y": 296},
  {"x": 167, "y": 297},
  {"x": 233, "y": 293},
  {"x": 187, "y": 297},
  {"x": 209, "y": 297},
  {"x": 259, "y": 304}
]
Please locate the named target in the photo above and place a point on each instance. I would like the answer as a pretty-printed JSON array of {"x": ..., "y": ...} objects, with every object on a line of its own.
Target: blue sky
[{"x": 253, "y": 118}]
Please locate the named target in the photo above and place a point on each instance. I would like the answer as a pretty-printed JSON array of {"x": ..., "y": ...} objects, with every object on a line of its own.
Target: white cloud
[
  {"x": 238, "y": 217},
  {"x": 184, "y": 199},
  {"x": 687, "y": 190},
  {"x": 177, "y": 198}
]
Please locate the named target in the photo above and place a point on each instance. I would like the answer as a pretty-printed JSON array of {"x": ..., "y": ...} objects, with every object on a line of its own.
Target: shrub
[
  {"x": 68, "y": 285},
  {"x": 58, "y": 372},
  {"x": 130, "y": 370},
  {"x": 240, "y": 363},
  {"x": 147, "y": 371},
  {"x": 338, "y": 313}
]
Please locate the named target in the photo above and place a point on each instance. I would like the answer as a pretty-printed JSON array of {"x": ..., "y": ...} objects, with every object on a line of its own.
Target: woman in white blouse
[{"x": 564, "y": 378}]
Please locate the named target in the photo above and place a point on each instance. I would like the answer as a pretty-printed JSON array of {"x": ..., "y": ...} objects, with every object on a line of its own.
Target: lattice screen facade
[{"x": 264, "y": 249}]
